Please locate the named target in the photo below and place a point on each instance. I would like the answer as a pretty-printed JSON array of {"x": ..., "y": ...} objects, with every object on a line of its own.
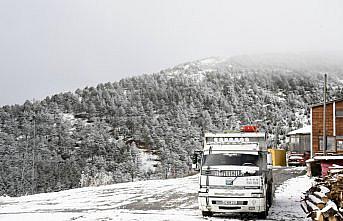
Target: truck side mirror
[{"x": 263, "y": 160}]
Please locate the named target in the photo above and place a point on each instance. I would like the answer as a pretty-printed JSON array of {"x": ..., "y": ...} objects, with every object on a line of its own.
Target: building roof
[
  {"x": 304, "y": 130},
  {"x": 328, "y": 102}
]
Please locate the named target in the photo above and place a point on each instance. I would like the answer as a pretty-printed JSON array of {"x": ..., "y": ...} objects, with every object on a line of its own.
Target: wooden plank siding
[
  {"x": 317, "y": 123},
  {"x": 339, "y": 120}
]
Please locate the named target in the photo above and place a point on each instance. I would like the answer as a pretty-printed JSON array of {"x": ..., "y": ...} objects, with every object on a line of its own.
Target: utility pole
[
  {"x": 24, "y": 165},
  {"x": 33, "y": 155},
  {"x": 324, "y": 117}
]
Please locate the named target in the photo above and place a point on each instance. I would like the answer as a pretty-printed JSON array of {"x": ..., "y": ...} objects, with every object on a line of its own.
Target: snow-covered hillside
[
  {"x": 173, "y": 199},
  {"x": 78, "y": 138}
]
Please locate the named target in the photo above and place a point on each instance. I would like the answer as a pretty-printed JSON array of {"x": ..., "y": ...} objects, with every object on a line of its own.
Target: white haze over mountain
[{"x": 49, "y": 47}]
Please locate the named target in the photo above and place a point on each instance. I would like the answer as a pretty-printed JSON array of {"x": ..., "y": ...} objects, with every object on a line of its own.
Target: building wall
[
  {"x": 339, "y": 126},
  {"x": 317, "y": 126},
  {"x": 339, "y": 120}
]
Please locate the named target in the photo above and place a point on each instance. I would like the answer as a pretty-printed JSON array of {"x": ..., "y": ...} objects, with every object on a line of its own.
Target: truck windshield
[{"x": 230, "y": 159}]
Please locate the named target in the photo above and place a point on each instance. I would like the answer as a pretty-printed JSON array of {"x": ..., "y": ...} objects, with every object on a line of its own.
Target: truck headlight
[{"x": 258, "y": 195}]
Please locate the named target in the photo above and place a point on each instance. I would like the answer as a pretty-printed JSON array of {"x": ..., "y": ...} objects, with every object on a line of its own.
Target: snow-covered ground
[
  {"x": 286, "y": 205},
  {"x": 153, "y": 200}
]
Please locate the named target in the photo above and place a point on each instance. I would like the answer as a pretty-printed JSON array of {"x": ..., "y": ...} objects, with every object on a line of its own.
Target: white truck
[{"x": 234, "y": 176}]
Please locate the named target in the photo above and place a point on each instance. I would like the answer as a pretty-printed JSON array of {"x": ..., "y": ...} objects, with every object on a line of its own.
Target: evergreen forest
[{"x": 95, "y": 135}]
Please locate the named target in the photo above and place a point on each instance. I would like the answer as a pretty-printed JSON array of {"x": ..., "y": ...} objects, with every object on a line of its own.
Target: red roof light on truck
[{"x": 249, "y": 128}]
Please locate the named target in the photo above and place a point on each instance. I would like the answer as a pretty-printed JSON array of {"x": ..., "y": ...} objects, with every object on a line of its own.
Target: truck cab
[{"x": 234, "y": 177}]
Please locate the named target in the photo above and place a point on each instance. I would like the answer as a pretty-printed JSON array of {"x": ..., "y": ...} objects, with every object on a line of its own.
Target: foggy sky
[{"x": 52, "y": 46}]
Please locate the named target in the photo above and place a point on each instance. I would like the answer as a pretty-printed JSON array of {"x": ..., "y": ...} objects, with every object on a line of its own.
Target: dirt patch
[
  {"x": 164, "y": 202},
  {"x": 280, "y": 175}
]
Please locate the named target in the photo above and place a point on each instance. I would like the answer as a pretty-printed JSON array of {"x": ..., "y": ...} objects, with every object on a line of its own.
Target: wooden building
[
  {"x": 334, "y": 128},
  {"x": 299, "y": 141},
  {"x": 320, "y": 164}
]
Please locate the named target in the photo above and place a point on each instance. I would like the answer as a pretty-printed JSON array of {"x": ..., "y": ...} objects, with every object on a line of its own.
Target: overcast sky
[{"x": 52, "y": 46}]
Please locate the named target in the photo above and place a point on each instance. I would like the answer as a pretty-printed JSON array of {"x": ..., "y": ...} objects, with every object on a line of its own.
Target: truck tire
[
  {"x": 206, "y": 213},
  {"x": 264, "y": 214},
  {"x": 270, "y": 196}
]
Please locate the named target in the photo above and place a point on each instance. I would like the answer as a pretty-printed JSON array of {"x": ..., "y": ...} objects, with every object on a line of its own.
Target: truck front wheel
[
  {"x": 270, "y": 196},
  {"x": 264, "y": 214},
  {"x": 207, "y": 213}
]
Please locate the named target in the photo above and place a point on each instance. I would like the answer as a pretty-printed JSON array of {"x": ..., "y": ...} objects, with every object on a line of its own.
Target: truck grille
[{"x": 222, "y": 173}]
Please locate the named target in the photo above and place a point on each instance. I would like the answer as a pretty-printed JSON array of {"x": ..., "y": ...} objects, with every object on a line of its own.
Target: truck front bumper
[{"x": 231, "y": 205}]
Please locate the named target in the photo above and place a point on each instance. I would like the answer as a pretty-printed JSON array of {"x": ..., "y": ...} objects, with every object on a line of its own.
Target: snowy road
[{"x": 153, "y": 200}]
